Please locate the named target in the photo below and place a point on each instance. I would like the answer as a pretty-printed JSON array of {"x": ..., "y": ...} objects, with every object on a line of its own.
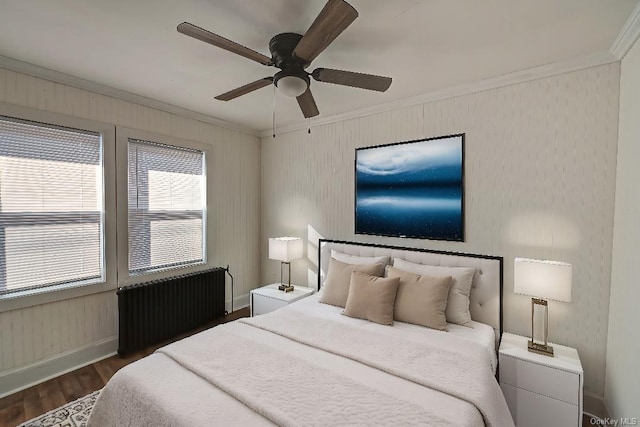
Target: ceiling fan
[{"x": 292, "y": 53}]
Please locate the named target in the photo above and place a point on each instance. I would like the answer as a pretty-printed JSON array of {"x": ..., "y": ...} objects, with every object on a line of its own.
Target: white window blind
[
  {"x": 167, "y": 206},
  {"x": 51, "y": 206}
]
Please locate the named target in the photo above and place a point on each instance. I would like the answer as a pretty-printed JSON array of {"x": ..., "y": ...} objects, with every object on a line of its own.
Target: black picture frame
[{"x": 411, "y": 189}]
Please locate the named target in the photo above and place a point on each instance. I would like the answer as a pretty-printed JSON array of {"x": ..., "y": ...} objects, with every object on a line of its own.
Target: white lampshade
[
  {"x": 292, "y": 86},
  {"x": 543, "y": 279},
  {"x": 285, "y": 249}
]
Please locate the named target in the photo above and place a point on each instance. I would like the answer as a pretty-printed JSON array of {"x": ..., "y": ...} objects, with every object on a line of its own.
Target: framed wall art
[{"x": 411, "y": 189}]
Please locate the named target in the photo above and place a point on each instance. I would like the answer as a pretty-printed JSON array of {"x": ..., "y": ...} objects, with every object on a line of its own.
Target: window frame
[
  {"x": 122, "y": 164},
  {"x": 30, "y": 297}
]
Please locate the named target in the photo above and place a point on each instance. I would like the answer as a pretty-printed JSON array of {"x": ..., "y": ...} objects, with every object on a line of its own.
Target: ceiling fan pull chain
[
  {"x": 274, "y": 111},
  {"x": 309, "y": 126}
]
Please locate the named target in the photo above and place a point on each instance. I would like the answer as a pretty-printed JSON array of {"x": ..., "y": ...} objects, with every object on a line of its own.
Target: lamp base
[
  {"x": 286, "y": 288},
  {"x": 534, "y": 347}
]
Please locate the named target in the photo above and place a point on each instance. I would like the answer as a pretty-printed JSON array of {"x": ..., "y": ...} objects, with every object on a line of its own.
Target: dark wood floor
[{"x": 29, "y": 403}]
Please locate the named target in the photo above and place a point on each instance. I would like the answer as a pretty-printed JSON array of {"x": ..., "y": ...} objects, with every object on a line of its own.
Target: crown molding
[
  {"x": 80, "y": 83},
  {"x": 529, "y": 74},
  {"x": 627, "y": 36},
  {"x": 534, "y": 73}
]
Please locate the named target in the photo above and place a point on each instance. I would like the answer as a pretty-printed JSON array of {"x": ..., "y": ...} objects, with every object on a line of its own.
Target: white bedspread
[
  {"x": 240, "y": 374},
  {"x": 444, "y": 362},
  {"x": 480, "y": 333}
]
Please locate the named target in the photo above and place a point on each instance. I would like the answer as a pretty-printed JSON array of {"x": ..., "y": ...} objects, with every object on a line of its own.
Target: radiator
[{"x": 156, "y": 311}]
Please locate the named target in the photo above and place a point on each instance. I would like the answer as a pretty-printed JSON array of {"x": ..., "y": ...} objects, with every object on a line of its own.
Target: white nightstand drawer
[
  {"x": 543, "y": 380},
  {"x": 262, "y": 305},
  {"x": 534, "y": 410}
]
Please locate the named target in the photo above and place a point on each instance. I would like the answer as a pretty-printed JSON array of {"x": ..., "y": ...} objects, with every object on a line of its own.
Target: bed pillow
[
  {"x": 421, "y": 300},
  {"x": 462, "y": 279},
  {"x": 336, "y": 285},
  {"x": 355, "y": 259},
  {"x": 371, "y": 298}
]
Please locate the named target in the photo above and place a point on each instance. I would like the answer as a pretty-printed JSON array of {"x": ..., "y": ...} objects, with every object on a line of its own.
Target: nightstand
[
  {"x": 269, "y": 298},
  {"x": 541, "y": 390}
]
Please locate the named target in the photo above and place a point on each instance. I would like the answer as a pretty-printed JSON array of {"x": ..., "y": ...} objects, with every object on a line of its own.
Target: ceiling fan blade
[
  {"x": 333, "y": 19},
  {"x": 219, "y": 41},
  {"x": 308, "y": 104},
  {"x": 243, "y": 90},
  {"x": 349, "y": 78}
]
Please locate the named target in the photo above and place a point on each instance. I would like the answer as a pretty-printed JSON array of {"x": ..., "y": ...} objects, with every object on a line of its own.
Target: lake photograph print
[{"x": 411, "y": 189}]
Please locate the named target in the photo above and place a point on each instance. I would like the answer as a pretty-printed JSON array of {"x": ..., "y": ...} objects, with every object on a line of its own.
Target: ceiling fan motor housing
[{"x": 281, "y": 48}]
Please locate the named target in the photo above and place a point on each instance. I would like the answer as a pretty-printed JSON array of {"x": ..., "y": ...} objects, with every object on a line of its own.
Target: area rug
[{"x": 74, "y": 414}]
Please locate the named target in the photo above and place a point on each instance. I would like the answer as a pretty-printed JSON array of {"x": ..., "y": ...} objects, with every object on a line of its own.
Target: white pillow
[
  {"x": 354, "y": 259},
  {"x": 458, "y": 300}
]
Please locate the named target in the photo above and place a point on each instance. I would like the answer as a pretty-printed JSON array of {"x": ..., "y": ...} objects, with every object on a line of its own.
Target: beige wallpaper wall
[
  {"x": 37, "y": 333},
  {"x": 622, "y": 390},
  {"x": 540, "y": 179}
]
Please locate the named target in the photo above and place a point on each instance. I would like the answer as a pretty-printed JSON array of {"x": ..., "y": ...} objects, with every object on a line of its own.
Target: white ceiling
[{"x": 425, "y": 45}]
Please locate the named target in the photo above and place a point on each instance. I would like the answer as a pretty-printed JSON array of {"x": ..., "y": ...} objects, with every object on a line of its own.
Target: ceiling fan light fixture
[{"x": 292, "y": 86}]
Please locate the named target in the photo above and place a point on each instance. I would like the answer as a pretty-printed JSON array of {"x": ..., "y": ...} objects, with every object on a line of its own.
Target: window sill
[
  {"x": 160, "y": 274},
  {"x": 177, "y": 269},
  {"x": 19, "y": 300}
]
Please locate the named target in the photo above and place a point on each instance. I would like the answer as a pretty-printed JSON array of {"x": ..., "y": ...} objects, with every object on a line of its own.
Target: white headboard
[{"x": 486, "y": 290}]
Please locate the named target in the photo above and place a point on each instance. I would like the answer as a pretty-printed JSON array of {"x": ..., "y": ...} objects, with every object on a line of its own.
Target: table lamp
[
  {"x": 542, "y": 280},
  {"x": 285, "y": 250}
]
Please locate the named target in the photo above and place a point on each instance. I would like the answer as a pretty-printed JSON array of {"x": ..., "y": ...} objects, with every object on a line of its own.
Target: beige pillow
[
  {"x": 458, "y": 300},
  {"x": 421, "y": 300},
  {"x": 336, "y": 285},
  {"x": 372, "y": 298}
]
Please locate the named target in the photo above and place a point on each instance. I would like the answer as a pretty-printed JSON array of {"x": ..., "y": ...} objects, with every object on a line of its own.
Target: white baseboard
[
  {"x": 239, "y": 302},
  {"x": 27, "y": 376},
  {"x": 595, "y": 405}
]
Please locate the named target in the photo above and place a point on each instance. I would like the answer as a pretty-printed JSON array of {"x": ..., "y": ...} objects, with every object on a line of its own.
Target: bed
[{"x": 308, "y": 364}]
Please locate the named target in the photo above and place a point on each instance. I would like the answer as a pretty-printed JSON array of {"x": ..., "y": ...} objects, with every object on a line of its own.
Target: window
[
  {"x": 51, "y": 206},
  {"x": 167, "y": 206}
]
